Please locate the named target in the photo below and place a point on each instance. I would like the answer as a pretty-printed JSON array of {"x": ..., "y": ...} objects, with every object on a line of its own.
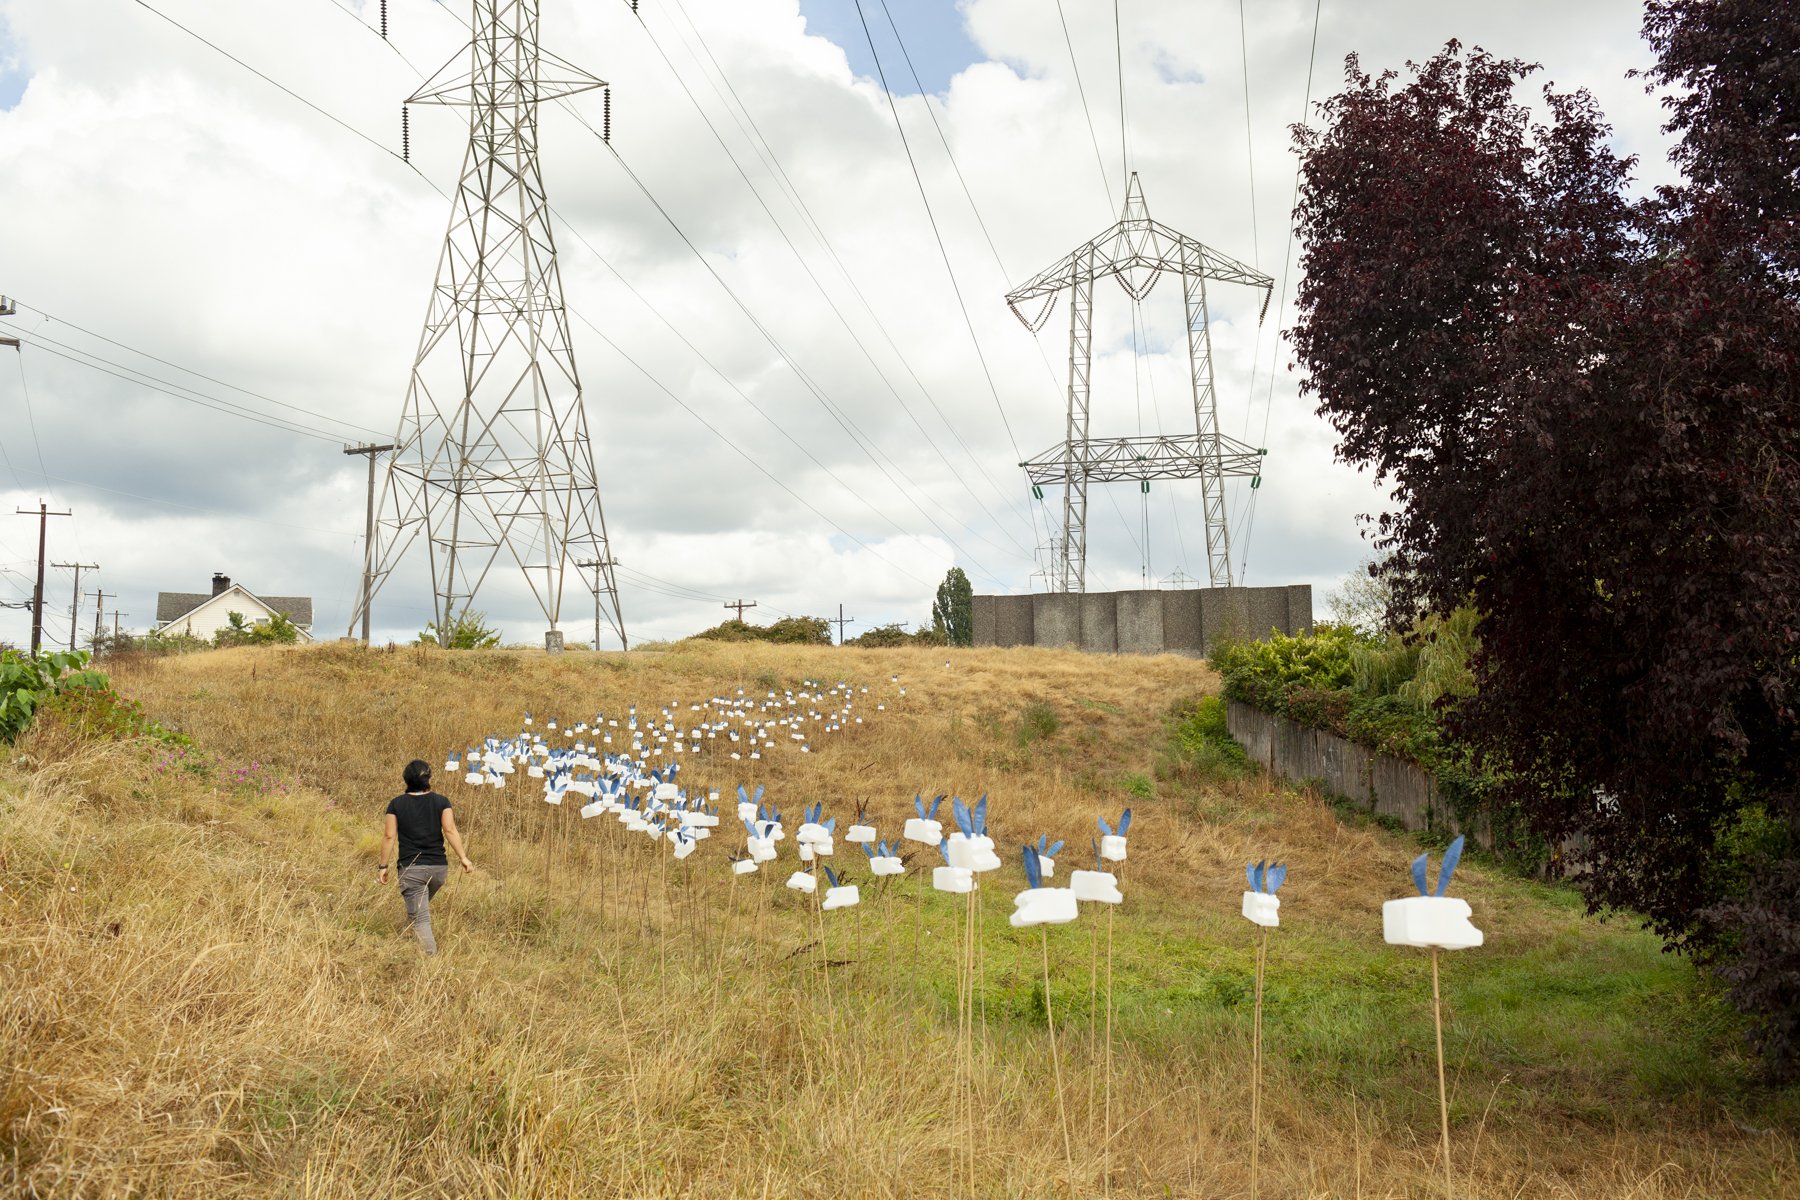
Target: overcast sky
[{"x": 159, "y": 196}]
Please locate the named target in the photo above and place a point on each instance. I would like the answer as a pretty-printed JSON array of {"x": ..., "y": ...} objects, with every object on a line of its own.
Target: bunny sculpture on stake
[
  {"x": 1433, "y": 921},
  {"x": 1261, "y": 907},
  {"x": 1045, "y": 906}
]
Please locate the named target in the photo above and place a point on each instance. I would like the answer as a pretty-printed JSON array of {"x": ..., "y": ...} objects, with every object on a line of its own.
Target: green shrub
[
  {"x": 788, "y": 631},
  {"x": 1201, "y": 748},
  {"x": 28, "y": 682},
  {"x": 468, "y": 631}
]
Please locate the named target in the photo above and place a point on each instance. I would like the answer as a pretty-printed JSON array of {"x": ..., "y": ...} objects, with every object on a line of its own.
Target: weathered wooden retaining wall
[{"x": 1379, "y": 783}]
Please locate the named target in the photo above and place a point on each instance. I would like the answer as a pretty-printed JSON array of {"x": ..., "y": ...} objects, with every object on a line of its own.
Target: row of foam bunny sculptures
[{"x": 752, "y": 724}]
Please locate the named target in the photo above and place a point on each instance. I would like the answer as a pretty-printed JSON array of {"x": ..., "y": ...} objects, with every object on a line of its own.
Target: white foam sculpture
[
  {"x": 860, "y": 833},
  {"x": 1431, "y": 920},
  {"x": 1262, "y": 909},
  {"x": 886, "y": 865},
  {"x": 843, "y": 896},
  {"x": 953, "y": 879},
  {"x": 803, "y": 881},
  {"x": 1098, "y": 887},
  {"x": 920, "y": 830},
  {"x": 1043, "y": 906}
]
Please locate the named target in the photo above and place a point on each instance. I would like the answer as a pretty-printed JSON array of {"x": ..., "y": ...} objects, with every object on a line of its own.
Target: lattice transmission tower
[
  {"x": 494, "y": 461},
  {"x": 1137, "y": 251}
]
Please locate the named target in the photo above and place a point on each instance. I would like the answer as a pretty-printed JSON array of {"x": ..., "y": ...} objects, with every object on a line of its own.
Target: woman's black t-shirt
[{"x": 420, "y": 822}]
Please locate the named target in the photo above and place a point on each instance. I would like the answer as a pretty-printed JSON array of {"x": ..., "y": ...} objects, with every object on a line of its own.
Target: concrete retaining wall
[
  {"x": 1182, "y": 621},
  {"x": 1380, "y": 783}
]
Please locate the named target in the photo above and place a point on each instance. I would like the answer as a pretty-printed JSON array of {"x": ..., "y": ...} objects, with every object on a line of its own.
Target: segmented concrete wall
[
  {"x": 1379, "y": 783},
  {"x": 1142, "y": 622}
]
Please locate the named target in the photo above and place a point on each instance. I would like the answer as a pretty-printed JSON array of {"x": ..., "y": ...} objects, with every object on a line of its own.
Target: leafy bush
[
  {"x": 240, "y": 631},
  {"x": 788, "y": 631},
  {"x": 468, "y": 631},
  {"x": 887, "y": 637},
  {"x": 1390, "y": 693},
  {"x": 27, "y": 682}
]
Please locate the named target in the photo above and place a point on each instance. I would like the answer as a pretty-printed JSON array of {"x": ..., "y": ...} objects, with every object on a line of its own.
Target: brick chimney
[{"x": 220, "y": 582}]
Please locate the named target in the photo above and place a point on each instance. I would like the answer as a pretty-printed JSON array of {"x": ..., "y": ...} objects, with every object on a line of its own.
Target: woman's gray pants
[{"x": 418, "y": 885}]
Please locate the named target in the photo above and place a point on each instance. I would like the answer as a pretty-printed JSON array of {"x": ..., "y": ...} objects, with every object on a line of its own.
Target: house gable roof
[{"x": 172, "y": 606}]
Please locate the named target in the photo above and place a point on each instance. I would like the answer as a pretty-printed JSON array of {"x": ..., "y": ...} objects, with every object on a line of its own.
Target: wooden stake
[
  {"x": 1262, "y": 958},
  {"x": 1056, "y": 1064},
  {"x": 1106, "y": 1128},
  {"x": 1437, "y": 1018}
]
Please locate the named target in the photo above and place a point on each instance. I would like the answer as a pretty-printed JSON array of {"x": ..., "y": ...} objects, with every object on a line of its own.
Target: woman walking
[{"x": 418, "y": 824}]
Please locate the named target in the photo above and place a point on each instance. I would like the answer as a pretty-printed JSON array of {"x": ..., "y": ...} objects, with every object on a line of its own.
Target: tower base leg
[{"x": 553, "y": 641}]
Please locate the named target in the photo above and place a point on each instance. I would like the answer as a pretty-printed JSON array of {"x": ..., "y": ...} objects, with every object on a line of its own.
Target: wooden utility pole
[
  {"x": 43, "y": 514},
  {"x": 840, "y": 621},
  {"x": 75, "y": 603},
  {"x": 740, "y": 605},
  {"x": 368, "y": 452},
  {"x": 100, "y": 613},
  {"x": 596, "y": 566},
  {"x": 116, "y": 615}
]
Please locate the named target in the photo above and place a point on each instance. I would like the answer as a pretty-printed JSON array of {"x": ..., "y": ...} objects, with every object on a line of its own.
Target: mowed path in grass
[{"x": 206, "y": 993}]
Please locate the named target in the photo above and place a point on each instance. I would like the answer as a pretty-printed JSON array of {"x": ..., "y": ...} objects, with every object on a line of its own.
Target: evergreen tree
[{"x": 953, "y": 612}]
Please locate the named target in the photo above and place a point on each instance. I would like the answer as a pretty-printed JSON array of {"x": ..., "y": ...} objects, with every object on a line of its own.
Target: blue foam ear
[
  {"x": 743, "y": 795},
  {"x": 935, "y": 802},
  {"x": 868, "y": 850},
  {"x": 1124, "y": 822},
  {"x": 1418, "y": 874},
  {"x": 1054, "y": 848},
  {"x": 1276, "y": 877},
  {"x": 830, "y": 825},
  {"x": 1452, "y": 856},
  {"x": 1033, "y": 872},
  {"x": 831, "y": 875},
  {"x": 961, "y": 813},
  {"x": 759, "y": 792},
  {"x": 943, "y": 852},
  {"x": 981, "y": 814},
  {"x": 919, "y": 804},
  {"x": 1105, "y": 828},
  {"x": 1098, "y": 865}
]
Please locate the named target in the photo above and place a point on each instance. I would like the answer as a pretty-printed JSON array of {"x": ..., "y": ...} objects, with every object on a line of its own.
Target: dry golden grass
[{"x": 206, "y": 994}]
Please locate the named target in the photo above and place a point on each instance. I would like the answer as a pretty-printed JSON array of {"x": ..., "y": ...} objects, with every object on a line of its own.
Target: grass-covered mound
[{"x": 205, "y": 993}]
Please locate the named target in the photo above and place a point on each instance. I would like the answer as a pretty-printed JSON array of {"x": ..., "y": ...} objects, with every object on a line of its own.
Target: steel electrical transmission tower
[
  {"x": 494, "y": 460},
  {"x": 1136, "y": 252}
]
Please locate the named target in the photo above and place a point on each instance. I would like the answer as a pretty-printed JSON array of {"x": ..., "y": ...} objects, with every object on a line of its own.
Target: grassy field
[{"x": 206, "y": 993}]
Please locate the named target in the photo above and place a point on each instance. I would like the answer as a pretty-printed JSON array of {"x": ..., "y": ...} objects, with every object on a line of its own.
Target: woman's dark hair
[{"x": 417, "y": 775}]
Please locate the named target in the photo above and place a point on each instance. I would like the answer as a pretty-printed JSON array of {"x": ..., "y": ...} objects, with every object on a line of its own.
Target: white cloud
[{"x": 160, "y": 195}]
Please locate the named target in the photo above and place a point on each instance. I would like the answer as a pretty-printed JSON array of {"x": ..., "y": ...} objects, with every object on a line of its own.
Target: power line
[
  {"x": 773, "y": 161},
  {"x": 867, "y": 444},
  {"x": 335, "y": 120},
  {"x": 1119, "y": 65},
  {"x": 196, "y": 374},
  {"x": 120, "y": 371},
  {"x": 741, "y": 453},
  {"x": 779, "y": 349},
  {"x": 1287, "y": 259},
  {"x": 943, "y": 253},
  {"x": 1105, "y": 180}
]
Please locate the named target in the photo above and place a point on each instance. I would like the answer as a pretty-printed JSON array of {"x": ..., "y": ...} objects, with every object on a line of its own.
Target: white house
[{"x": 199, "y": 614}]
